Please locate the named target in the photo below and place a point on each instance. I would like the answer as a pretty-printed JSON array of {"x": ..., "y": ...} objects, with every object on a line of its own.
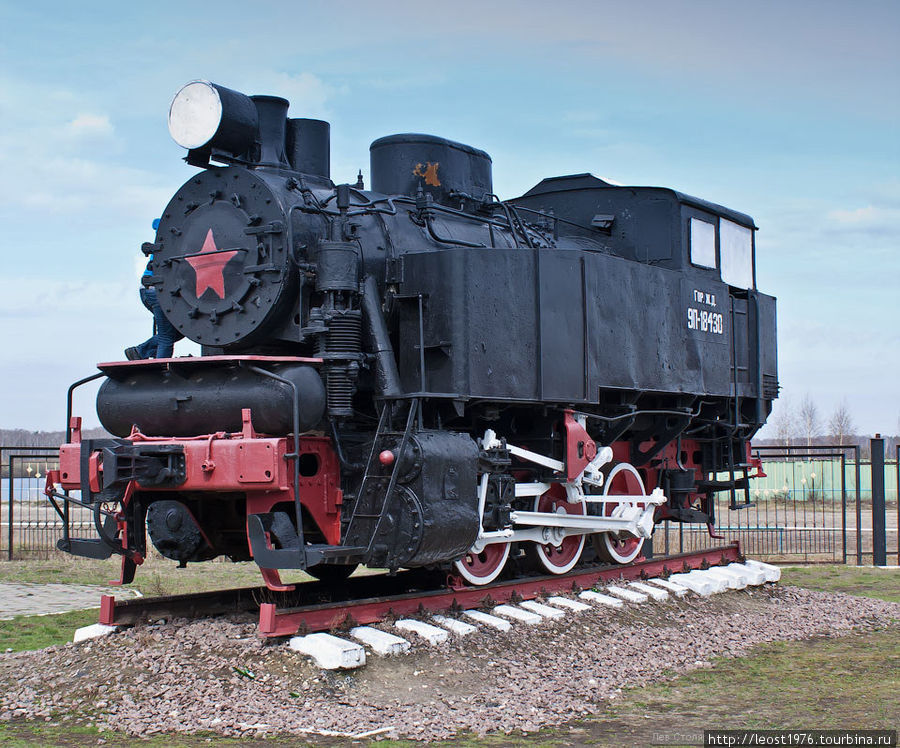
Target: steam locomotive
[{"x": 421, "y": 374}]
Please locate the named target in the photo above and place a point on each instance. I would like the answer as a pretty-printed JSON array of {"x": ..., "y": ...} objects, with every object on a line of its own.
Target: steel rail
[
  {"x": 275, "y": 623},
  {"x": 315, "y": 606}
]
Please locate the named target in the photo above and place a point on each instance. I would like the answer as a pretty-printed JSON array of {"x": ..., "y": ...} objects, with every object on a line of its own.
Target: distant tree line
[
  {"x": 25, "y": 438},
  {"x": 804, "y": 426}
]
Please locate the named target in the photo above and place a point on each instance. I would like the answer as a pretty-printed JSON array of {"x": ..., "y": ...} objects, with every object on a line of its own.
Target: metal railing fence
[{"x": 814, "y": 506}]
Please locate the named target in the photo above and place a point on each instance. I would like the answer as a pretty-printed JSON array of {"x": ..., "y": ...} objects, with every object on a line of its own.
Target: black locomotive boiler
[{"x": 421, "y": 374}]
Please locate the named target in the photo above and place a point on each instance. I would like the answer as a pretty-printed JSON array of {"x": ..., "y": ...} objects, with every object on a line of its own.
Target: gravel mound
[{"x": 215, "y": 675}]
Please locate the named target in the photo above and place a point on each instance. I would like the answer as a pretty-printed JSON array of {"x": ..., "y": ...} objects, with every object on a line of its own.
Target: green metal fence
[
  {"x": 814, "y": 504},
  {"x": 812, "y": 479}
]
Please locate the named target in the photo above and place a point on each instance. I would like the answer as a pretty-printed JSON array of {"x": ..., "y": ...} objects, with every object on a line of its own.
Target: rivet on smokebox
[{"x": 387, "y": 457}]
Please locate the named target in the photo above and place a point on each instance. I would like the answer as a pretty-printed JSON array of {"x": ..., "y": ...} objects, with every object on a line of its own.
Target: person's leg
[
  {"x": 148, "y": 297},
  {"x": 166, "y": 334},
  {"x": 147, "y": 349},
  {"x": 165, "y": 338}
]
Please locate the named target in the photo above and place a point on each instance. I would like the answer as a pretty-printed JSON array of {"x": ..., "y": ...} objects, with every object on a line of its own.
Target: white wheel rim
[
  {"x": 545, "y": 560},
  {"x": 466, "y": 573},
  {"x": 607, "y": 537}
]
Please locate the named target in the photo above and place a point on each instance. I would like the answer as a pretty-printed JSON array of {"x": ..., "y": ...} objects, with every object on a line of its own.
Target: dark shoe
[{"x": 132, "y": 354}]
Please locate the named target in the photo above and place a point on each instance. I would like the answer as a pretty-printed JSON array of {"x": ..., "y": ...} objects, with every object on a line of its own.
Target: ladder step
[{"x": 335, "y": 551}]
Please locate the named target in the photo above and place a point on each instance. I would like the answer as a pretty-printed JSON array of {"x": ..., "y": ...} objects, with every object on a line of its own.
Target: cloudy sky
[{"x": 784, "y": 110}]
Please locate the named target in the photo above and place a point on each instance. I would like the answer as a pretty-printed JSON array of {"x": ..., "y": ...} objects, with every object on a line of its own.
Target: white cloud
[
  {"x": 868, "y": 219},
  {"x": 859, "y": 215},
  {"x": 305, "y": 91},
  {"x": 90, "y": 125},
  {"x": 763, "y": 53},
  {"x": 69, "y": 185},
  {"x": 309, "y": 95},
  {"x": 867, "y": 222},
  {"x": 55, "y": 332},
  {"x": 65, "y": 165},
  {"x": 63, "y": 171}
]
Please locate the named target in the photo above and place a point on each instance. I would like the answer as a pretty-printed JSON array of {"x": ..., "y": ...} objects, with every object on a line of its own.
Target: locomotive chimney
[
  {"x": 309, "y": 146},
  {"x": 272, "y": 112}
]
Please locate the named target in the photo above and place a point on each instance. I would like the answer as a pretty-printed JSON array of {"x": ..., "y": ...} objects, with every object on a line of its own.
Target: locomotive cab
[{"x": 710, "y": 247}]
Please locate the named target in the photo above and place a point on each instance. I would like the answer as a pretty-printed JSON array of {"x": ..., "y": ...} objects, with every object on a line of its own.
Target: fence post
[
  {"x": 843, "y": 506},
  {"x": 12, "y": 503},
  {"x": 856, "y": 452},
  {"x": 879, "y": 535}
]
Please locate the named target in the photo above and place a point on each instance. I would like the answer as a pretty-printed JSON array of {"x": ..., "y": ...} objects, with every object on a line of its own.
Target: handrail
[
  {"x": 295, "y": 455},
  {"x": 410, "y": 418},
  {"x": 69, "y": 395}
]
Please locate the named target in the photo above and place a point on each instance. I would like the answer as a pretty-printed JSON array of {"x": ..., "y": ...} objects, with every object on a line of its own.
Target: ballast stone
[
  {"x": 631, "y": 596},
  {"x": 678, "y": 590},
  {"x": 454, "y": 626},
  {"x": 517, "y": 614},
  {"x": 330, "y": 652},
  {"x": 545, "y": 611},
  {"x": 773, "y": 573},
  {"x": 564, "y": 602},
  {"x": 488, "y": 620},
  {"x": 431, "y": 634},
  {"x": 94, "y": 631},
  {"x": 380, "y": 642},
  {"x": 655, "y": 592},
  {"x": 596, "y": 597}
]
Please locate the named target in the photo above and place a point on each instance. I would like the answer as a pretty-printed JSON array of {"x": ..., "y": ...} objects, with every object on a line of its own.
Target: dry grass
[{"x": 157, "y": 576}]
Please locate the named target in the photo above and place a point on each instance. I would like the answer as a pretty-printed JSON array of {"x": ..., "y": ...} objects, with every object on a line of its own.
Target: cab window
[
  {"x": 736, "y": 254},
  {"x": 703, "y": 243}
]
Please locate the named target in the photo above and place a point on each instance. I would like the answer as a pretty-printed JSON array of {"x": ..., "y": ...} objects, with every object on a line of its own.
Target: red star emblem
[{"x": 209, "y": 266}]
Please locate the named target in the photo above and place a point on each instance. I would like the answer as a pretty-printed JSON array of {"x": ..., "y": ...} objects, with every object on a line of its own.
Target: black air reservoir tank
[{"x": 190, "y": 400}]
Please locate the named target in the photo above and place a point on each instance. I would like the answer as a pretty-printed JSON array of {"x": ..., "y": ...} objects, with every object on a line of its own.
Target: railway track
[{"x": 315, "y": 606}]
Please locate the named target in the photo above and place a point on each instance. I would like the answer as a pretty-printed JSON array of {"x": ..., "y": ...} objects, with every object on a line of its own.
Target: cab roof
[{"x": 586, "y": 181}]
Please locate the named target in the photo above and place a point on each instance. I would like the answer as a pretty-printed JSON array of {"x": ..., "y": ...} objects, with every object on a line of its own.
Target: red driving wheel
[
  {"x": 620, "y": 547},
  {"x": 484, "y": 567},
  {"x": 561, "y": 558}
]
